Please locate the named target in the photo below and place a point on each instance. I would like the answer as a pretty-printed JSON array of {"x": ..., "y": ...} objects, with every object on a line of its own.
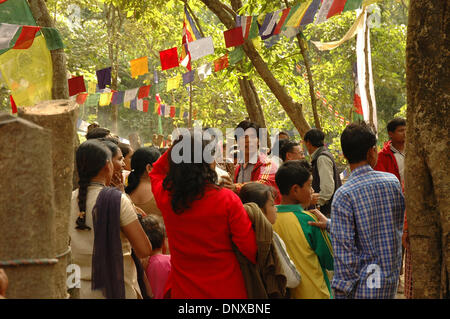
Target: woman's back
[{"x": 143, "y": 198}]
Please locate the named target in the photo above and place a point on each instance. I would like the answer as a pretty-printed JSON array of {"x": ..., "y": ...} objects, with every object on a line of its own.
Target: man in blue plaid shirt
[{"x": 366, "y": 223}]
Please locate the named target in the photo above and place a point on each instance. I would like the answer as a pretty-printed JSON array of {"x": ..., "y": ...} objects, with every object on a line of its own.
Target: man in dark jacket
[
  {"x": 391, "y": 158},
  {"x": 326, "y": 179}
]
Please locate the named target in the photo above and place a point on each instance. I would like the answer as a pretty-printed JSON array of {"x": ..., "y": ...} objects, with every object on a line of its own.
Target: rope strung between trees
[
  {"x": 64, "y": 253},
  {"x": 27, "y": 262}
]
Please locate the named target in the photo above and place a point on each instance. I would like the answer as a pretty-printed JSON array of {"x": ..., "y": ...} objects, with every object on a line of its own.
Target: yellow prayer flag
[
  {"x": 173, "y": 83},
  {"x": 139, "y": 66},
  {"x": 126, "y": 104},
  {"x": 105, "y": 98},
  {"x": 297, "y": 16},
  {"x": 28, "y": 73},
  {"x": 92, "y": 87}
]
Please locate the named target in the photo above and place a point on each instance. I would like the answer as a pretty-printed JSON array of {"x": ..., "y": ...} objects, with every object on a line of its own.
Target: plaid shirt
[{"x": 366, "y": 229}]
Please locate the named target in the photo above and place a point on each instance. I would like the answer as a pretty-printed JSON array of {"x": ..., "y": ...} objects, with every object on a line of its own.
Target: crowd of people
[{"x": 257, "y": 225}]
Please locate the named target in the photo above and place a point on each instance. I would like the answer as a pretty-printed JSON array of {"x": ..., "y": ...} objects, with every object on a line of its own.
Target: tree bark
[
  {"x": 427, "y": 171},
  {"x": 60, "y": 88},
  {"x": 292, "y": 108}
]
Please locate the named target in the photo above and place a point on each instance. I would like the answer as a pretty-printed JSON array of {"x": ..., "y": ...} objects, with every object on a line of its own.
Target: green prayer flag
[
  {"x": 52, "y": 38},
  {"x": 177, "y": 112},
  {"x": 254, "y": 30},
  {"x": 352, "y": 5},
  {"x": 160, "y": 130},
  {"x": 236, "y": 55},
  {"x": 92, "y": 99}
]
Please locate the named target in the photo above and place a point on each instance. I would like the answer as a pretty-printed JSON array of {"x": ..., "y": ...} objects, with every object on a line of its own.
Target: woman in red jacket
[{"x": 201, "y": 219}]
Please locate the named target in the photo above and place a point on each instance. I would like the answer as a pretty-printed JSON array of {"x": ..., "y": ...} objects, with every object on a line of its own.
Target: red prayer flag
[
  {"x": 221, "y": 63},
  {"x": 281, "y": 22},
  {"x": 169, "y": 58},
  {"x": 81, "y": 98},
  {"x": 233, "y": 37},
  {"x": 336, "y": 8},
  {"x": 76, "y": 85},
  {"x": 26, "y": 37},
  {"x": 172, "y": 111},
  {"x": 145, "y": 106},
  {"x": 144, "y": 91},
  {"x": 13, "y": 104}
]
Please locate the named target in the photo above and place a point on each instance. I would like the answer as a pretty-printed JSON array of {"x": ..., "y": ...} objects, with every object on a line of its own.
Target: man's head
[
  {"x": 291, "y": 151},
  {"x": 98, "y": 132},
  {"x": 313, "y": 139},
  {"x": 283, "y": 136},
  {"x": 294, "y": 180},
  {"x": 397, "y": 130},
  {"x": 247, "y": 137},
  {"x": 358, "y": 143}
]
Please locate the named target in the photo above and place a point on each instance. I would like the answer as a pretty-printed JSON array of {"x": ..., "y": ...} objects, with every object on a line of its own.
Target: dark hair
[
  {"x": 113, "y": 147},
  {"x": 356, "y": 140},
  {"x": 186, "y": 181},
  {"x": 125, "y": 148},
  {"x": 286, "y": 148},
  {"x": 245, "y": 125},
  {"x": 139, "y": 160},
  {"x": 315, "y": 137},
  {"x": 257, "y": 193},
  {"x": 91, "y": 157},
  {"x": 162, "y": 150},
  {"x": 292, "y": 173},
  {"x": 394, "y": 123},
  {"x": 283, "y": 133},
  {"x": 97, "y": 132},
  {"x": 154, "y": 228}
]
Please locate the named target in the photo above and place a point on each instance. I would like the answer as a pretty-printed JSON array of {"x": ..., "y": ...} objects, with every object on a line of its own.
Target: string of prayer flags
[
  {"x": 339, "y": 6},
  {"x": 169, "y": 58},
  {"x": 221, "y": 63},
  {"x": 26, "y": 37},
  {"x": 139, "y": 66},
  {"x": 130, "y": 94},
  {"x": 204, "y": 71},
  {"x": 7, "y": 33},
  {"x": 249, "y": 26},
  {"x": 144, "y": 91},
  {"x": 103, "y": 77},
  {"x": 81, "y": 98},
  {"x": 296, "y": 14},
  {"x": 188, "y": 77},
  {"x": 13, "y": 105},
  {"x": 236, "y": 55},
  {"x": 310, "y": 13},
  {"x": 200, "y": 48},
  {"x": 279, "y": 26},
  {"x": 76, "y": 85},
  {"x": 233, "y": 37},
  {"x": 118, "y": 98},
  {"x": 105, "y": 99},
  {"x": 173, "y": 83},
  {"x": 269, "y": 23}
]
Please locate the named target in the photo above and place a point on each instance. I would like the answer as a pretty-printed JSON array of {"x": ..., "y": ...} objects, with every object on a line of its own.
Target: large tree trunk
[
  {"x": 60, "y": 88},
  {"x": 292, "y": 108},
  {"x": 427, "y": 171}
]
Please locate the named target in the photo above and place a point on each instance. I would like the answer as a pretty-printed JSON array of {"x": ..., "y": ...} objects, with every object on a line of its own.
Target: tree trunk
[
  {"x": 113, "y": 53},
  {"x": 427, "y": 171},
  {"x": 293, "y": 109},
  {"x": 60, "y": 88}
]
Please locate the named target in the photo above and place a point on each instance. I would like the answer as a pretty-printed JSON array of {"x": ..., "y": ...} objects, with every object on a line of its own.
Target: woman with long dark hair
[
  {"x": 139, "y": 187},
  {"x": 202, "y": 220},
  {"x": 103, "y": 228}
]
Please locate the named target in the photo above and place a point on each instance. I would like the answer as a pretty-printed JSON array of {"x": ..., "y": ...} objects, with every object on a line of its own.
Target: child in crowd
[
  {"x": 263, "y": 196},
  {"x": 157, "y": 267},
  {"x": 309, "y": 247}
]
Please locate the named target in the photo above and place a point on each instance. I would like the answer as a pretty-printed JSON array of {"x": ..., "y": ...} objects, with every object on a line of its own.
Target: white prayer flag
[
  {"x": 200, "y": 48},
  {"x": 323, "y": 12},
  {"x": 140, "y": 105},
  {"x": 7, "y": 33},
  {"x": 130, "y": 94},
  {"x": 204, "y": 71}
]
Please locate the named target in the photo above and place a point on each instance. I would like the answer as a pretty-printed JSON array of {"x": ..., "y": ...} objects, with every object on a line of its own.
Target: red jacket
[
  {"x": 204, "y": 265},
  {"x": 263, "y": 172},
  {"x": 387, "y": 162}
]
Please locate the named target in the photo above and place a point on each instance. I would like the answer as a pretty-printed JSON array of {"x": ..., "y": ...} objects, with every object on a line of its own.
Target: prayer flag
[
  {"x": 233, "y": 37},
  {"x": 236, "y": 55},
  {"x": 105, "y": 99},
  {"x": 92, "y": 87},
  {"x": 76, "y": 85},
  {"x": 140, "y": 105},
  {"x": 7, "y": 33},
  {"x": 296, "y": 14},
  {"x": 352, "y": 5},
  {"x": 200, "y": 48},
  {"x": 323, "y": 11},
  {"x": 270, "y": 42},
  {"x": 178, "y": 112},
  {"x": 357, "y": 95},
  {"x": 221, "y": 63},
  {"x": 188, "y": 77},
  {"x": 13, "y": 105},
  {"x": 185, "y": 114},
  {"x": 336, "y": 8},
  {"x": 190, "y": 33},
  {"x": 204, "y": 71},
  {"x": 268, "y": 26},
  {"x": 52, "y": 38},
  {"x": 103, "y": 77},
  {"x": 144, "y": 91},
  {"x": 280, "y": 23},
  {"x": 139, "y": 66},
  {"x": 172, "y": 111},
  {"x": 81, "y": 98},
  {"x": 310, "y": 12},
  {"x": 145, "y": 106},
  {"x": 126, "y": 105},
  {"x": 249, "y": 26},
  {"x": 130, "y": 94},
  {"x": 26, "y": 37},
  {"x": 173, "y": 83},
  {"x": 118, "y": 98},
  {"x": 92, "y": 99},
  {"x": 254, "y": 29},
  {"x": 133, "y": 104},
  {"x": 169, "y": 58}
]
